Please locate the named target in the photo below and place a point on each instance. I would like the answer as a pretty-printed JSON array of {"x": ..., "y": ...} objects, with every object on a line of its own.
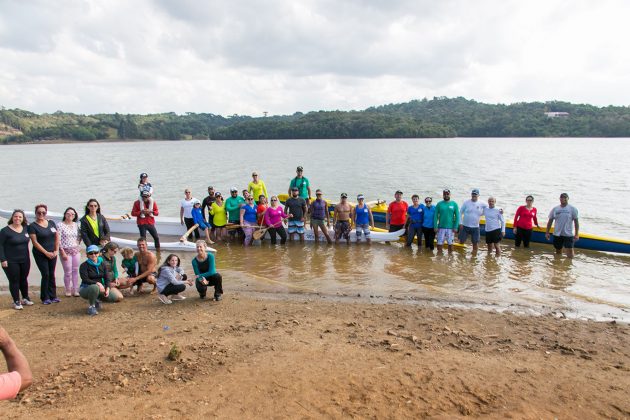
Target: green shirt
[
  {"x": 233, "y": 207},
  {"x": 302, "y": 185},
  {"x": 446, "y": 215}
]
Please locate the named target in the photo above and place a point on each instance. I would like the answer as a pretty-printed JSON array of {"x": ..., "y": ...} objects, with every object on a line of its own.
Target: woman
[
  {"x": 257, "y": 187},
  {"x": 260, "y": 210},
  {"x": 45, "y": 238},
  {"x": 69, "y": 240},
  {"x": 206, "y": 273},
  {"x": 14, "y": 257},
  {"x": 524, "y": 221},
  {"x": 94, "y": 227},
  {"x": 185, "y": 212},
  {"x": 248, "y": 219},
  {"x": 172, "y": 280},
  {"x": 273, "y": 219},
  {"x": 219, "y": 218},
  {"x": 109, "y": 260},
  {"x": 94, "y": 279}
]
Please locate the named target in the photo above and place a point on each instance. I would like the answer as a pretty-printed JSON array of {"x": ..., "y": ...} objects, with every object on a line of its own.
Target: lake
[{"x": 592, "y": 171}]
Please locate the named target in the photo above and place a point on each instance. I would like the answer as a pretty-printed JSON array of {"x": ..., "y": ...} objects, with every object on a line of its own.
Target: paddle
[
  {"x": 260, "y": 233},
  {"x": 188, "y": 232}
]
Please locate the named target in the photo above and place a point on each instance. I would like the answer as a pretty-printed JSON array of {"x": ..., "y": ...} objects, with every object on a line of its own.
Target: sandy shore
[{"x": 253, "y": 356}]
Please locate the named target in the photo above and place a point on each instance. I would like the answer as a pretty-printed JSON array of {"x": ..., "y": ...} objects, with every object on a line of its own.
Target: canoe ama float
[{"x": 185, "y": 246}]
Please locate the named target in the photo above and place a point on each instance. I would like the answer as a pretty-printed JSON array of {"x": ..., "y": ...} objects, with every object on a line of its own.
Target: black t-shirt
[
  {"x": 45, "y": 235},
  {"x": 13, "y": 245},
  {"x": 296, "y": 207}
]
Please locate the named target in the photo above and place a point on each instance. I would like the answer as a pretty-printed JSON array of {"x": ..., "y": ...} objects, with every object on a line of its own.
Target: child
[
  {"x": 130, "y": 266},
  {"x": 143, "y": 186},
  {"x": 198, "y": 219}
]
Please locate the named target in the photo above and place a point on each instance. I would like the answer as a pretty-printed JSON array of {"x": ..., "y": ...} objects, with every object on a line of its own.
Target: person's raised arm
[{"x": 16, "y": 362}]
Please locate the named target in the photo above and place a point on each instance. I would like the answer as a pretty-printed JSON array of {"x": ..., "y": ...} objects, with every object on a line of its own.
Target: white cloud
[{"x": 281, "y": 56}]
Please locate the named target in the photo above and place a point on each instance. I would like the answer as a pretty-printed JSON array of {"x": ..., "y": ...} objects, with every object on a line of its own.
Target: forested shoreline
[{"x": 439, "y": 117}]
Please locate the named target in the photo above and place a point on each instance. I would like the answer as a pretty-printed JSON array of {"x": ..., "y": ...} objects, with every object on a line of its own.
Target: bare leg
[{"x": 316, "y": 232}]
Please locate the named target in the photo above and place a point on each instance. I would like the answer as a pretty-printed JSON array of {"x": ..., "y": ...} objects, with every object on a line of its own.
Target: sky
[{"x": 250, "y": 57}]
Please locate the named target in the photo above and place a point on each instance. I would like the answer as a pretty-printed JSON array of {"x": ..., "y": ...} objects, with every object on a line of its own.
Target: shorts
[
  {"x": 318, "y": 222},
  {"x": 296, "y": 226},
  {"x": 365, "y": 228},
  {"x": 493, "y": 237},
  {"x": 396, "y": 228},
  {"x": 342, "y": 228},
  {"x": 445, "y": 235},
  {"x": 560, "y": 242},
  {"x": 472, "y": 231}
]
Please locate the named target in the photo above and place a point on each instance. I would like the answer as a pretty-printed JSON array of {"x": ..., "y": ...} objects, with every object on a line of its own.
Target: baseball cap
[
  {"x": 143, "y": 175},
  {"x": 217, "y": 194},
  {"x": 93, "y": 248},
  {"x": 360, "y": 197},
  {"x": 294, "y": 189},
  {"x": 446, "y": 190},
  {"x": 398, "y": 192},
  {"x": 299, "y": 168},
  {"x": 233, "y": 189},
  {"x": 210, "y": 187},
  {"x": 475, "y": 191},
  {"x": 195, "y": 202},
  {"x": 344, "y": 195}
]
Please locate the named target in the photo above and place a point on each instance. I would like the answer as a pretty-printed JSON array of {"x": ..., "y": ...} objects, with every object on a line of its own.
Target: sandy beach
[{"x": 308, "y": 356}]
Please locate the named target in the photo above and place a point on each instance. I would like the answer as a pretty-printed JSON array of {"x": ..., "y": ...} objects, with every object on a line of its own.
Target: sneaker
[
  {"x": 218, "y": 297},
  {"x": 56, "y": 300},
  {"x": 202, "y": 297},
  {"x": 177, "y": 297},
  {"x": 164, "y": 299},
  {"x": 68, "y": 294},
  {"x": 76, "y": 293},
  {"x": 46, "y": 302},
  {"x": 98, "y": 304},
  {"x": 17, "y": 305},
  {"x": 27, "y": 302},
  {"x": 92, "y": 311}
]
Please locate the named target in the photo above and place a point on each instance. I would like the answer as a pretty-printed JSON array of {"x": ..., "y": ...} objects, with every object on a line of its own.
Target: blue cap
[
  {"x": 93, "y": 248},
  {"x": 475, "y": 191}
]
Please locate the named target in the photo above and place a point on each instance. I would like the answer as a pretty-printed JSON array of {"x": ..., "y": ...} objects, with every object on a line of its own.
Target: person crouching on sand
[
  {"x": 206, "y": 273},
  {"x": 94, "y": 279},
  {"x": 172, "y": 280}
]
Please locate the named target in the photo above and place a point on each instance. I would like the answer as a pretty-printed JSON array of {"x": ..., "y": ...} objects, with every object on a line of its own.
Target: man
[
  {"x": 19, "y": 376},
  {"x": 396, "y": 215},
  {"x": 427, "y": 223},
  {"x": 302, "y": 184},
  {"x": 233, "y": 207},
  {"x": 206, "y": 204},
  {"x": 495, "y": 226},
  {"x": 446, "y": 221},
  {"x": 147, "y": 266},
  {"x": 362, "y": 218},
  {"x": 471, "y": 211},
  {"x": 341, "y": 220},
  {"x": 296, "y": 207},
  {"x": 145, "y": 218},
  {"x": 415, "y": 214},
  {"x": 319, "y": 213},
  {"x": 566, "y": 217}
]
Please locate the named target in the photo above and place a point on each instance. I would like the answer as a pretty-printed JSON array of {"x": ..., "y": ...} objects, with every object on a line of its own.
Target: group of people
[{"x": 100, "y": 277}]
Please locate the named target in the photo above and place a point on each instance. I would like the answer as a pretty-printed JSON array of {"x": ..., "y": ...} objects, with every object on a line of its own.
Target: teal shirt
[
  {"x": 302, "y": 185},
  {"x": 446, "y": 215},
  {"x": 211, "y": 267},
  {"x": 233, "y": 207}
]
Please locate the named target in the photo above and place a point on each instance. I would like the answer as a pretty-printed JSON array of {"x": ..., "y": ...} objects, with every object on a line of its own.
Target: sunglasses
[
  {"x": 41, "y": 212},
  {"x": 93, "y": 253},
  {"x": 93, "y": 205},
  {"x": 274, "y": 199},
  {"x": 427, "y": 201}
]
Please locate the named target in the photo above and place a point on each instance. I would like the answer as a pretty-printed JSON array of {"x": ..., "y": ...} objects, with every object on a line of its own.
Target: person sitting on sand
[
  {"x": 172, "y": 280},
  {"x": 19, "y": 375},
  {"x": 206, "y": 273},
  {"x": 146, "y": 266},
  {"x": 94, "y": 279}
]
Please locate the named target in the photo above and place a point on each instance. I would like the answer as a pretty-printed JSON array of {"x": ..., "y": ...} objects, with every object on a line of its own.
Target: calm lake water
[{"x": 593, "y": 172}]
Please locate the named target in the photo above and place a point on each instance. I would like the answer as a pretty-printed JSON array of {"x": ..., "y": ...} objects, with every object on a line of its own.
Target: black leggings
[
  {"x": 151, "y": 229},
  {"x": 173, "y": 289},
  {"x": 429, "y": 237},
  {"x": 280, "y": 231},
  {"x": 47, "y": 269},
  {"x": 522, "y": 235},
  {"x": 17, "y": 274},
  {"x": 214, "y": 280},
  {"x": 189, "y": 222}
]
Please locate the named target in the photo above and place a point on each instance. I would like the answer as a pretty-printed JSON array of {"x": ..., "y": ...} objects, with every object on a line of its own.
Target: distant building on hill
[{"x": 556, "y": 114}]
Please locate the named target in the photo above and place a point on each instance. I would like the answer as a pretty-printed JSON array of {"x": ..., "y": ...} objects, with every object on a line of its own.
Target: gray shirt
[{"x": 564, "y": 217}]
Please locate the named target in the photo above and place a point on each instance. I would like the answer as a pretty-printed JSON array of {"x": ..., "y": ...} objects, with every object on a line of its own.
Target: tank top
[
  {"x": 363, "y": 215},
  {"x": 319, "y": 209}
]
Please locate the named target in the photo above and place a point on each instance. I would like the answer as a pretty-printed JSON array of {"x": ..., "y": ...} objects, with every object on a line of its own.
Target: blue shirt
[
  {"x": 363, "y": 215},
  {"x": 416, "y": 215},
  {"x": 429, "y": 212},
  {"x": 250, "y": 213}
]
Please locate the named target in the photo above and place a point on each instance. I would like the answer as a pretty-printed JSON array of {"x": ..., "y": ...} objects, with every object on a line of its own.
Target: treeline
[{"x": 437, "y": 117}]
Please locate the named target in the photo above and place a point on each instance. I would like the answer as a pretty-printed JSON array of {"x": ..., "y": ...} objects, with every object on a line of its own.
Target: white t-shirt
[
  {"x": 471, "y": 212},
  {"x": 188, "y": 205},
  {"x": 564, "y": 217},
  {"x": 494, "y": 219}
]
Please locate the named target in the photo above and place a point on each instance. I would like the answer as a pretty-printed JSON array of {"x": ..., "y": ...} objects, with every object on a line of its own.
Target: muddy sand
[{"x": 308, "y": 356}]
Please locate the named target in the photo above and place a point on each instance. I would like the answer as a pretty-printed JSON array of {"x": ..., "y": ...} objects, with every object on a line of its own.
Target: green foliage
[{"x": 437, "y": 117}]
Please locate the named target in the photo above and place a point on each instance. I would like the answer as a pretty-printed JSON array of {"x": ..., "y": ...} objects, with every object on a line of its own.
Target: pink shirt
[
  {"x": 524, "y": 218},
  {"x": 273, "y": 217},
  {"x": 10, "y": 384}
]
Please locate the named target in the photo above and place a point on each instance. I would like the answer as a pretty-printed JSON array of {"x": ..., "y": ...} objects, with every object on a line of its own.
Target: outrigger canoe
[{"x": 185, "y": 246}]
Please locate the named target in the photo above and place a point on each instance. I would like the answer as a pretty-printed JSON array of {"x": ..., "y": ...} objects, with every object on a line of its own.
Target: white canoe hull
[
  {"x": 164, "y": 246},
  {"x": 309, "y": 235}
]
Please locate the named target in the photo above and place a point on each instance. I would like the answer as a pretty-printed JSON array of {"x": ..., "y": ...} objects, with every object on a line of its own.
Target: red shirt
[
  {"x": 259, "y": 211},
  {"x": 524, "y": 217},
  {"x": 398, "y": 212},
  {"x": 147, "y": 219}
]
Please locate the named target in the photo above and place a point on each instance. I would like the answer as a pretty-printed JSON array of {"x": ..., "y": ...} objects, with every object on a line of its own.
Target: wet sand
[{"x": 258, "y": 355}]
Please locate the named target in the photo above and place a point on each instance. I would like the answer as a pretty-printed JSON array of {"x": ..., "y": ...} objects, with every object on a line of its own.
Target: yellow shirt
[
  {"x": 219, "y": 215},
  {"x": 256, "y": 190},
  {"x": 94, "y": 224}
]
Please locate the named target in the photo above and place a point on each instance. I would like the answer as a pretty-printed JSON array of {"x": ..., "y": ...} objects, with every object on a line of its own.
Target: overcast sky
[{"x": 247, "y": 57}]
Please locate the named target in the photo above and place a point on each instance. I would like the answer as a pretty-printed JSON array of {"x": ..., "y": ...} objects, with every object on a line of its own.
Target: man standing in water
[
  {"x": 296, "y": 206},
  {"x": 342, "y": 219},
  {"x": 302, "y": 184},
  {"x": 471, "y": 212},
  {"x": 396, "y": 215},
  {"x": 207, "y": 203},
  {"x": 446, "y": 221},
  {"x": 566, "y": 216}
]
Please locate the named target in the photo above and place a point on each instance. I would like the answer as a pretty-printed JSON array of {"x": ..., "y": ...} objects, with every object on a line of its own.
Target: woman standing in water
[
  {"x": 45, "y": 238},
  {"x": 524, "y": 221}
]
